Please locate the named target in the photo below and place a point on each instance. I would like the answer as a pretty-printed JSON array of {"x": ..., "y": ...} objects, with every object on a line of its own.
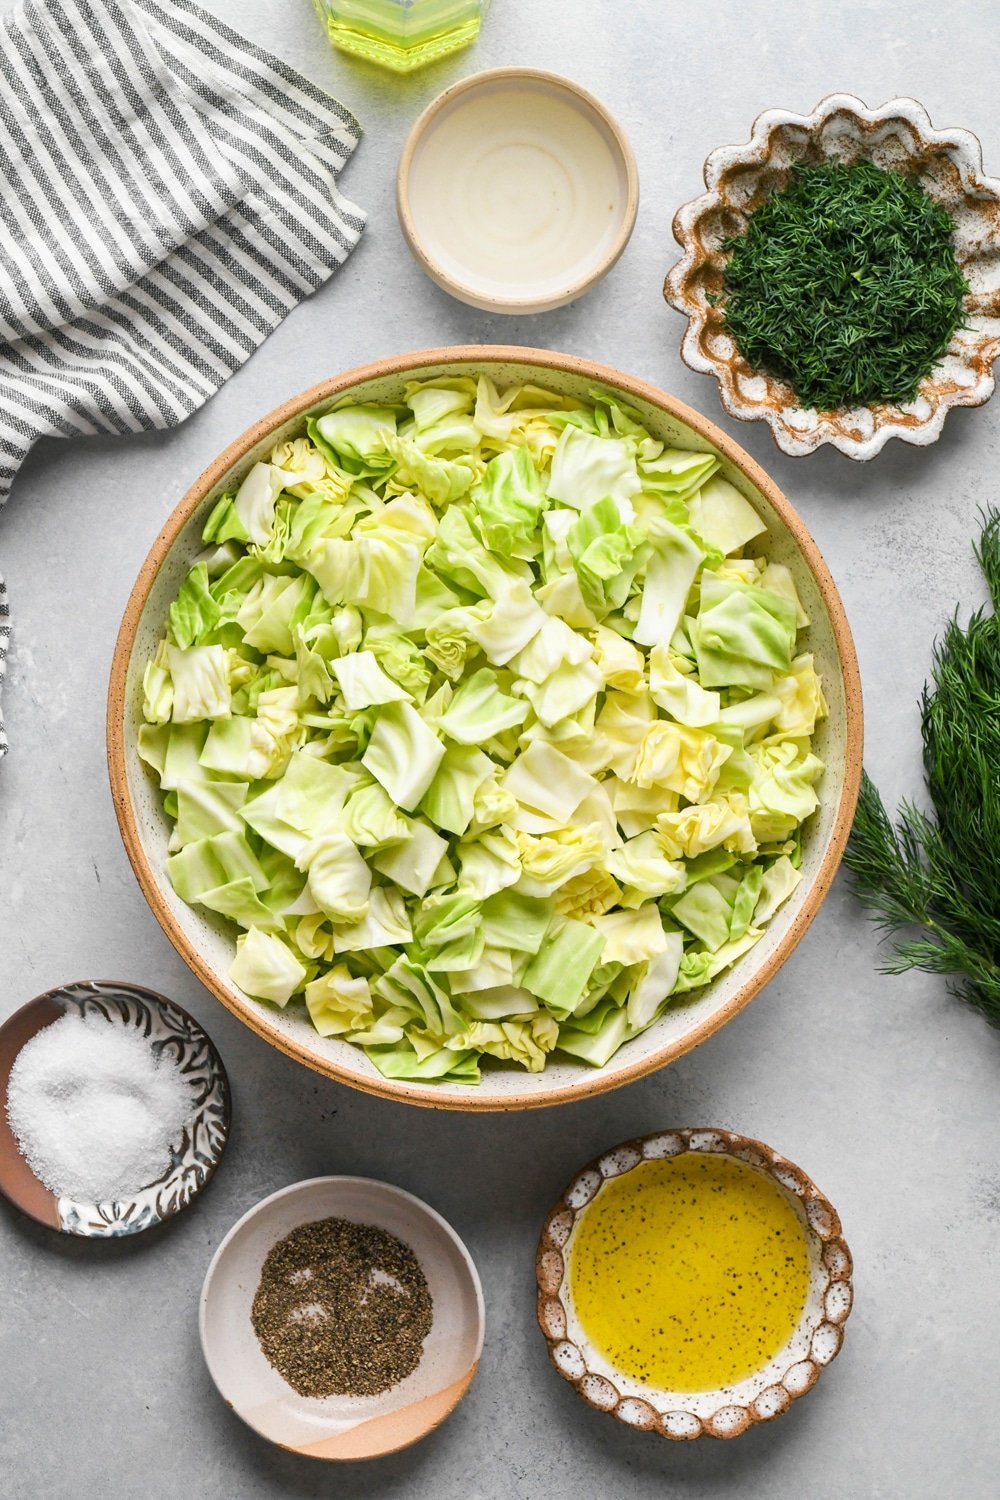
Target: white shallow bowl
[
  {"x": 207, "y": 942},
  {"x": 342, "y": 1427},
  {"x": 730, "y": 1410},
  {"x": 523, "y": 160}
]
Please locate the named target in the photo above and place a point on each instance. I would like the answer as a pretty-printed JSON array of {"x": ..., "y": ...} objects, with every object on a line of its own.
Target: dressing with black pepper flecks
[{"x": 689, "y": 1273}]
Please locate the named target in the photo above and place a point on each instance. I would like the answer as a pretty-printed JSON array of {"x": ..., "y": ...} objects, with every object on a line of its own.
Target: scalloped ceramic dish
[
  {"x": 728, "y": 1411},
  {"x": 948, "y": 165},
  {"x": 194, "y": 1157},
  {"x": 206, "y": 942}
]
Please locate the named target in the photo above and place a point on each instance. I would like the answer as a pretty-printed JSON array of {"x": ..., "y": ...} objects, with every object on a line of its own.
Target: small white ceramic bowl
[
  {"x": 517, "y": 190},
  {"x": 727, "y": 1412},
  {"x": 342, "y": 1427}
]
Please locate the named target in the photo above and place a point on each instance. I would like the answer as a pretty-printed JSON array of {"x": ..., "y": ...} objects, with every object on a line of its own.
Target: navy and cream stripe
[{"x": 168, "y": 192}]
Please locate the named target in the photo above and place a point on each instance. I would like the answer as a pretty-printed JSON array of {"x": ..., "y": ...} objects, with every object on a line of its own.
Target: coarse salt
[{"x": 95, "y": 1111}]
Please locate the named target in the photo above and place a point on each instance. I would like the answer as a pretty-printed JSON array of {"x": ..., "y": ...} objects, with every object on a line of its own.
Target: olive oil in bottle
[{"x": 402, "y": 34}]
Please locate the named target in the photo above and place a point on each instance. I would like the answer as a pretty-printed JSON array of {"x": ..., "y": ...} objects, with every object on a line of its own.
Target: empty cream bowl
[{"x": 517, "y": 190}]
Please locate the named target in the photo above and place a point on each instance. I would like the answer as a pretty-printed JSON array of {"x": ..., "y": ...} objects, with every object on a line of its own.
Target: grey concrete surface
[{"x": 884, "y": 1089}]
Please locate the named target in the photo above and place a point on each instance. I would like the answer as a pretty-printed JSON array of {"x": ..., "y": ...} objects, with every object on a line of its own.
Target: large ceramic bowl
[{"x": 206, "y": 942}]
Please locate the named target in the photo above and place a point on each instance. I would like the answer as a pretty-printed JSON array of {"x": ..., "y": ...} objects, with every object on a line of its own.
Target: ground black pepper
[{"x": 342, "y": 1309}]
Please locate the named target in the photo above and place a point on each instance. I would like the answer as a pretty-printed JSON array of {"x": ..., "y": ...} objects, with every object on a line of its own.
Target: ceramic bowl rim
[
  {"x": 531, "y": 1095},
  {"x": 552, "y": 1297},
  {"x": 145, "y": 993},
  {"x": 422, "y": 1207},
  {"x": 465, "y": 292}
]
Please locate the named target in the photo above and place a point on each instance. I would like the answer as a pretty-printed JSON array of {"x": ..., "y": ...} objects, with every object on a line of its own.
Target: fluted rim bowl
[
  {"x": 731, "y": 1410},
  {"x": 949, "y": 166},
  {"x": 206, "y": 942}
]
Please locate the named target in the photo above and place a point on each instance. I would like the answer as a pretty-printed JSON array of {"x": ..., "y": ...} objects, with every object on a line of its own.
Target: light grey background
[{"x": 885, "y": 1090}]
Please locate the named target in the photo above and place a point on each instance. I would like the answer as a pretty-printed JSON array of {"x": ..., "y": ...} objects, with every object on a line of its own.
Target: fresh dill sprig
[
  {"x": 845, "y": 284},
  {"x": 942, "y": 874}
]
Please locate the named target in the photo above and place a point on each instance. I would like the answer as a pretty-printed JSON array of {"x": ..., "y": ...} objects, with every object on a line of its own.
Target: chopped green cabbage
[{"x": 479, "y": 720}]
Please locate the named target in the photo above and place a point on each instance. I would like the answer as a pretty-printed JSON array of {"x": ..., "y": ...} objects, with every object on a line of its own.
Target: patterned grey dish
[{"x": 194, "y": 1156}]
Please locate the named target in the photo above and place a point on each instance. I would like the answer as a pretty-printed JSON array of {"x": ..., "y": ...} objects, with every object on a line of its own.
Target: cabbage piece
[
  {"x": 363, "y": 682},
  {"x": 778, "y": 883},
  {"x": 722, "y": 517},
  {"x": 441, "y": 1066},
  {"x": 266, "y": 967},
  {"x": 559, "y": 971},
  {"x": 545, "y": 779},
  {"x": 338, "y": 1003},
  {"x": 526, "y": 1040},
  {"x": 675, "y": 473},
  {"x": 205, "y": 808},
  {"x": 567, "y": 692},
  {"x": 550, "y": 859},
  {"x": 488, "y": 863},
  {"x": 679, "y": 693},
  {"x": 619, "y": 732},
  {"x": 631, "y": 937},
  {"x": 403, "y": 754},
  {"x": 494, "y": 970},
  {"x": 194, "y": 614},
  {"x": 670, "y": 572},
  {"x": 479, "y": 710},
  {"x": 554, "y": 646},
  {"x": 512, "y": 920},
  {"x": 358, "y": 437},
  {"x": 459, "y": 552},
  {"x": 587, "y": 895},
  {"x": 498, "y": 1004},
  {"x": 706, "y": 910},
  {"x": 510, "y": 625},
  {"x": 400, "y": 657},
  {"x": 371, "y": 818},
  {"x": 654, "y": 983},
  {"x": 742, "y": 635},
  {"x": 309, "y": 797},
  {"x": 637, "y": 808},
  {"x": 782, "y": 794},
  {"x": 442, "y": 480},
  {"x": 338, "y": 877},
  {"x": 596, "y": 1037},
  {"x": 450, "y": 799},
  {"x": 778, "y": 578},
  {"x": 200, "y": 680},
  {"x": 690, "y": 831},
  {"x": 157, "y": 688},
  {"x": 586, "y": 469},
  {"x": 253, "y": 505},
  {"x": 801, "y": 701},
  {"x": 682, "y": 760},
  {"x": 606, "y": 555},
  {"x": 698, "y": 966},
  {"x": 621, "y": 666},
  {"x": 643, "y": 865},
  {"x": 509, "y": 499},
  {"x": 414, "y": 864},
  {"x": 384, "y": 925}
]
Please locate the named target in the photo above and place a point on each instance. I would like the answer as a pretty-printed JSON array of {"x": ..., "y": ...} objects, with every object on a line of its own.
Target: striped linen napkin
[{"x": 168, "y": 192}]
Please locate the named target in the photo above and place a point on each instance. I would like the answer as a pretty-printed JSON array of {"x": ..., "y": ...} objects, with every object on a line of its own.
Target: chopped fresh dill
[
  {"x": 845, "y": 285},
  {"x": 942, "y": 873}
]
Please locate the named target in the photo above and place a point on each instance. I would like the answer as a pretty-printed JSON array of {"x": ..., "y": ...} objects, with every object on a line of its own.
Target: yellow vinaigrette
[{"x": 689, "y": 1273}]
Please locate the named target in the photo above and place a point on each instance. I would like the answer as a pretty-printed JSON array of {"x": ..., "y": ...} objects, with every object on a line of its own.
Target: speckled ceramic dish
[
  {"x": 729, "y": 1411},
  {"x": 342, "y": 1427},
  {"x": 195, "y": 1156},
  {"x": 949, "y": 166},
  {"x": 207, "y": 941}
]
